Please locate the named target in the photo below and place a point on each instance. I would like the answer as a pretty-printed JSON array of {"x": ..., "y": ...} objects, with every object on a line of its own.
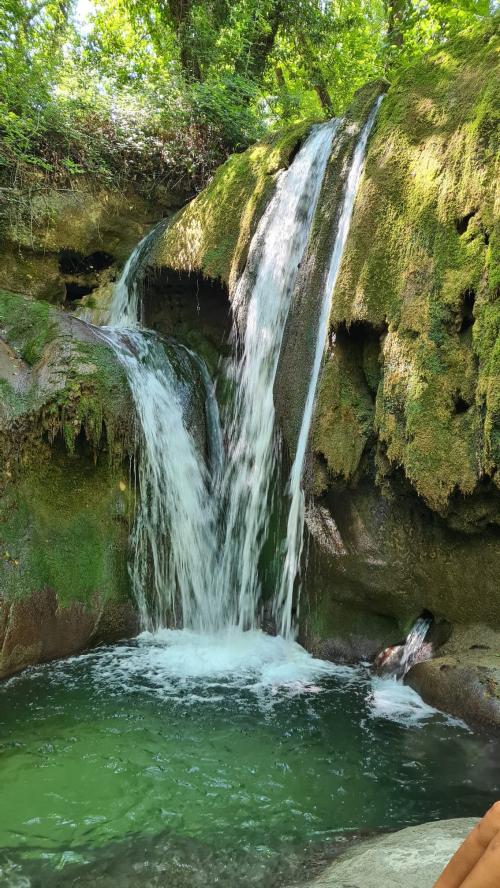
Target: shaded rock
[
  {"x": 84, "y": 222},
  {"x": 410, "y": 858},
  {"x": 389, "y": 555},
  {"x": 464, "y": 679}
]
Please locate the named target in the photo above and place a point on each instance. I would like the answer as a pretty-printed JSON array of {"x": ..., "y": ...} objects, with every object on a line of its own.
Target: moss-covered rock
[
  {"x": 66, "y": 424},
  {"x": 421, "y": 266},
  {"x": 62, "y": 245},
  {"x": 211, "y": 235}
]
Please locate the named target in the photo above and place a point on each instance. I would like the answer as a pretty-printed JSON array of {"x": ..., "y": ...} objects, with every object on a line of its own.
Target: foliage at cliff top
[
  {"x": 421, "y": 274},
  {"x": 154, "y": 93}
]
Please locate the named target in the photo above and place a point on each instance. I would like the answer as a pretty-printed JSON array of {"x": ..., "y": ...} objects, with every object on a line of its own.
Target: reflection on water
[{"x": 229, "y": 760}]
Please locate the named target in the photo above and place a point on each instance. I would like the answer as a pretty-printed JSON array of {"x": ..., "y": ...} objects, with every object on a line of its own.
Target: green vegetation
[
  {"x": 213, "y": 233},
  {"x": 27, "y": 327},
  {"x": 420, "y": 263},
  {"x": 75, "y": 385},
  {"x": 157, "y": 94}
]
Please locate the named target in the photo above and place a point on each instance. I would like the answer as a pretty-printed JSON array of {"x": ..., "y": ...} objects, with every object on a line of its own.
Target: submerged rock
[{"x": 413, "y": 857}]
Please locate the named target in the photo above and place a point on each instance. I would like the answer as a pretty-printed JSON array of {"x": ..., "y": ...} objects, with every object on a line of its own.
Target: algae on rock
[
  {"x": 212, "y": 233},
  {"x": 65, "y": 497}
]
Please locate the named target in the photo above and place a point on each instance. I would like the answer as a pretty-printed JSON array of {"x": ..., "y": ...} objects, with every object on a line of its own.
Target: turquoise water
[{"x": 232, "y": 760}]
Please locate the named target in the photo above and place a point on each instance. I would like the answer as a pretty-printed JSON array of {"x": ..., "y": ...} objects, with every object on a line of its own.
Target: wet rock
[
  {"x": 383, "y": 552},
  {"x": 464, "y": 679},
  {"x": 65, "y": 499},
  {"x": 413, "y": 857},
  {"x": 38, "y": 628}
]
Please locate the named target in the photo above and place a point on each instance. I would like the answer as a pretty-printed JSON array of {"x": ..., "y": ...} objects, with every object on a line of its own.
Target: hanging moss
[
  {"x": 65, "y": 384},
  {"x": 422, "y": 258}
]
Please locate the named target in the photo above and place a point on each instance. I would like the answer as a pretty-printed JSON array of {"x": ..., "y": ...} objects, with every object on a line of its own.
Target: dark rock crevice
[{"x": 192, "y": 308}]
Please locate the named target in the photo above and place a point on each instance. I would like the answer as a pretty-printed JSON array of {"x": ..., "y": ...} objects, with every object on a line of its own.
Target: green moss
[
  {"x": 213, "y": 232},
  {"x": 74, "y": 384},
  {"x": 344, "y": 418},
  {"x": 27, "y": 325},
  {"x": 65, "y": 527},
  {"x": 422, "y": 258}
]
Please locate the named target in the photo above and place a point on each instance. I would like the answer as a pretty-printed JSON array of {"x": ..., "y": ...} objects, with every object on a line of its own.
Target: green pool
[{"x": 232, "y": 760}]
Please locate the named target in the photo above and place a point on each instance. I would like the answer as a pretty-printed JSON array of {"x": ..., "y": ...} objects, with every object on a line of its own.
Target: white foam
[
  {"x": 392, "y": 700},
  {"x": 175, "y": 661}
]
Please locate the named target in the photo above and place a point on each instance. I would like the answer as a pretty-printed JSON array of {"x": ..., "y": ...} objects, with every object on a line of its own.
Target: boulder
[{"x": 410, "y": 858}]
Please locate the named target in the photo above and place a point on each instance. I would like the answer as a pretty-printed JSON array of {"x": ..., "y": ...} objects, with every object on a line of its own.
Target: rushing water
[
  {"x": 198, "y": 534},
  {"x": 295, "y": 528},
  {"x": 174, "y": 536},
  {"x": 235, "y": 759},
  {"x": 204, "y": 534},
  {"x": 261, "y": 304}
]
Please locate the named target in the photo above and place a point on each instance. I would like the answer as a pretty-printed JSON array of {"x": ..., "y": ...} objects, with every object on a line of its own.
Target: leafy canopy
[{"x": 158, "y": 92}]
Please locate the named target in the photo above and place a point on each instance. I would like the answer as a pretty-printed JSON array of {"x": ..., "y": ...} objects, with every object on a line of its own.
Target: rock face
[
  {"x": 411, "y": 858},
  {"x": 464, "y": 679},
  {"x": 64, "y": 246},
  {"x": 65, "y": 497}
]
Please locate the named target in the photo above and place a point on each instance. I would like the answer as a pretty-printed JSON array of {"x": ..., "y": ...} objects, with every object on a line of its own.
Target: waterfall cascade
[
  {"x": 397, "y": 660},
  {"x": 295, "y": 526},
  {"x": 200, "y": 528}
]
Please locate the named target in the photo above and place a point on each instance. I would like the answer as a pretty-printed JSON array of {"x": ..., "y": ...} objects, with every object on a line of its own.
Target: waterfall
[
  {"x": 201, "y": 525},
  {"x": 295, "y": 526},
  {"x": 126, "y": 305},
  {"x": 395, "y": 661},
  {"x": 261, "y": 303},
  {"x": 174, "y": 536}
]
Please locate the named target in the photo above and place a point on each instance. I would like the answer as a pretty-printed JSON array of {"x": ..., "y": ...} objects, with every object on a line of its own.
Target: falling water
[
  {"x": 414, "y": 648},
  {"x": 295, "y": 528},
  {"x": 173, "y": 540},
  {"x": 126, "y": 305},
  {"x": 261, "y": 305},
  {"x": 200, "y": 527},
  {"x": 395, "y": 661}
]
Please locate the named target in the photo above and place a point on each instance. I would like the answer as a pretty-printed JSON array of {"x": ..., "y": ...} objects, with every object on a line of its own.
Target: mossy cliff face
[
  {"x": 406, "y": 431},
  {"x": 405, "y": 440},
  {"x": 63, "y": 245},
  {"x": 418, "y": 293},
  {"x": 65, "y": 497}
]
